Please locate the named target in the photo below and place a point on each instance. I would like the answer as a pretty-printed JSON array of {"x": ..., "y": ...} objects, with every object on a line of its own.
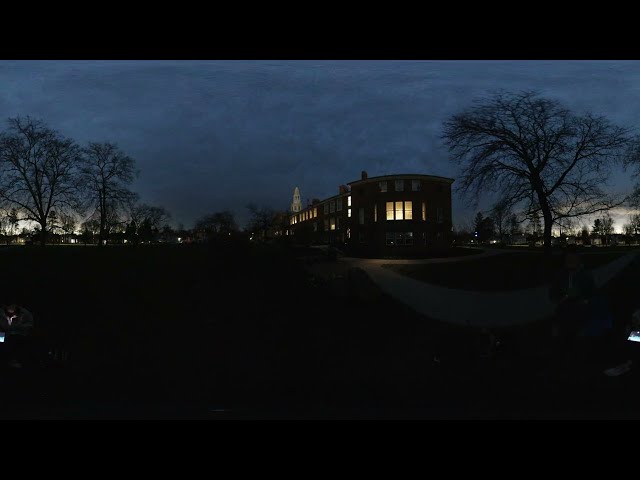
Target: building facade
[{"x": 390, "y": 215}]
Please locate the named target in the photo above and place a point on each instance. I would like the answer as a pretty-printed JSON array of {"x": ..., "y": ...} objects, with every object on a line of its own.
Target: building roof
[{"x": 404, "y": 176}]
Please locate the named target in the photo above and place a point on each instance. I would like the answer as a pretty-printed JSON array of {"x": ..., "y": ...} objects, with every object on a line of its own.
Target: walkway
[{"x": 478, "y": 309}]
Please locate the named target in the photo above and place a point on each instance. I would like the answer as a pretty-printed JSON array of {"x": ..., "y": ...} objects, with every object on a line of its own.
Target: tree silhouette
[{"x": 537, "y": 154}]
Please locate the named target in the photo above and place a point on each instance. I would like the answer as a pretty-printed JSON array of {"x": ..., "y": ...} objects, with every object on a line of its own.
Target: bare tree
[
  {"x": 515, "y": 225},
  {"x": 145, "y": 220},
  {"x": 262, "y": 219},
  {"x": 219, "y": 223},
  {"x": 107, "y": 174},
  {"x": 634, "y": 221},
  {"x": 38, "y": 172},
  {"x": 536, "y": 154},
  {"x": 501, "y": 212}
]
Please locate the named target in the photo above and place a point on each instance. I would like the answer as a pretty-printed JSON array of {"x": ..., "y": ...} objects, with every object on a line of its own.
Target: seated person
[{"x": 17, "y": 324}]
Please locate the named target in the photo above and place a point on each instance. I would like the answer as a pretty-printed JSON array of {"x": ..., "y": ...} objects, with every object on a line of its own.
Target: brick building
[{"x": 390, "y": 215}]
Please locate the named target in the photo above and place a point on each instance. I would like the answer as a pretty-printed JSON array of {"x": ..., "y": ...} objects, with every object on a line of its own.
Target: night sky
[{"x": 213, "y": 135}]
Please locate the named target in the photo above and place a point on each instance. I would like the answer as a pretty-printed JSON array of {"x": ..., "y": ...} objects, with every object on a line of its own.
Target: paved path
[{"x": 480, "y": 309}]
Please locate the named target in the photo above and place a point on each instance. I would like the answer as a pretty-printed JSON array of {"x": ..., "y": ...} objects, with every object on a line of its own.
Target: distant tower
[{"x": 296, "y": 206}]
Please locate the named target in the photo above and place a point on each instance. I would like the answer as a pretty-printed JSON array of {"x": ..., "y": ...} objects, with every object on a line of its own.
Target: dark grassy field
[
  {"x": 244, "y": 332},
  {"x": 510, "y": 271}
]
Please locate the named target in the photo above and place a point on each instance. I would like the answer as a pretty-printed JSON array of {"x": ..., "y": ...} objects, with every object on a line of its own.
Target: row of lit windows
[
  {"x": 306, "y": 215},
  {"x": 399, "y": 185},
  {"x": 402, "y": 210}
]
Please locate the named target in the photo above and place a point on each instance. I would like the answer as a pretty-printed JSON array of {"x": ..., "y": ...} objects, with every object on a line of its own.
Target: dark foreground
[{"x": 245, "y": 332}]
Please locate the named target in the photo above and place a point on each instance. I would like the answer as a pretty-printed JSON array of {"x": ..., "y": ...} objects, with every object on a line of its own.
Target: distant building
[
  {"x": 296, "y": 205},
  {"x": 390, "y": 215}
]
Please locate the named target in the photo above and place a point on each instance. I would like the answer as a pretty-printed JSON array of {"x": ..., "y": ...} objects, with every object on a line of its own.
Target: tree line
[
  {"x": 540, "y": 159},
  {"x": 52, "y": 181}
]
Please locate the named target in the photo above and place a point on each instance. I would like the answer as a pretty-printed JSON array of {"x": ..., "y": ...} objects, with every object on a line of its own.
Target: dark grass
[
  {"x": 509, "y": 271},
  {"x": 435, "y": 253},
  {"x": 175, "y": 332}
]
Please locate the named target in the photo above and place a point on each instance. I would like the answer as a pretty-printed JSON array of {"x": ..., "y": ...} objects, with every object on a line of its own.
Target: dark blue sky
[{"x": 212, "y": 135}]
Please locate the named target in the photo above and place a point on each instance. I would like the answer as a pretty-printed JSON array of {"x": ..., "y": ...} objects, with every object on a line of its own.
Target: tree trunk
[{"x": 43, "y": 233}]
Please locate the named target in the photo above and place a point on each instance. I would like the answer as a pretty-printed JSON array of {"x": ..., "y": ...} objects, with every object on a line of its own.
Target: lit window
[
  {"x": 415, "y": 185},
  {"x": 361, "y": 216},
  {"x": 399, "y": 215},
  {"x": 326, "y": 208},
  {"x": 383, "y": 186},
  {"x": 349, "y": 201},
  {"x": 439, "y": 216},
  {"x": 333, "y": 223},
  {"x": 326, "y": 224},
  {"x": 424, "y": 212},
  {"x": 399, "y": 185},
  {"x": 375, "y": 212},
  {"x": 408, "y": 210},
  {"x": 332, "y": 206},
  {"x": 315, "y": 212},
  {"x": 389, "y": 210},
  {"x": 349, "y": 212},
  {"x": 339, "y": 206}
]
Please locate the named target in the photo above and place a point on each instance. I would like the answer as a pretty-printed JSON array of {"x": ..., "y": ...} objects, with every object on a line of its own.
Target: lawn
[
  {"x": 509, "y": 271},
  {"x": 159, "y": 332}
]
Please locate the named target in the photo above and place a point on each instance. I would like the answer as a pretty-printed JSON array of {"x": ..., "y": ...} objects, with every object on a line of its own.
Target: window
[
  {"x": 332, "y": 206},
  {"x": 391, "y": 238},
  {"x": 348, "y": 233},
  {"x": 361, "y": 216},
  {"x": 408, "y": 210},
  {"x": 326, "y": 224},
  {"x": 383, "y": 186},
  {"x": 339, "y": 204},
  {"x": 332, "y": 222},
  {"x": 408, "y": 238},
  {"x": 424, "y": 238},
  {"x": 326, "y": 208},
  {"x": 424, "y": 212},
  {"x": 415, "y": 185},
  {"x": 399, "y": 215},
  {"x": 349, "y": 212},
  {"x": 315, "y": 212},
  {"x": 389, "y": 210},
  {"x": 315, "y": 226},
  {"x": 375, "y": 212},
  {"x": 439, "y": 216},
  {"x": 349, "y": 201},
  {"x": 338, "y": 223},
  {"x": 399, "y": 185},
  {"x": 399, "y": 238}
]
